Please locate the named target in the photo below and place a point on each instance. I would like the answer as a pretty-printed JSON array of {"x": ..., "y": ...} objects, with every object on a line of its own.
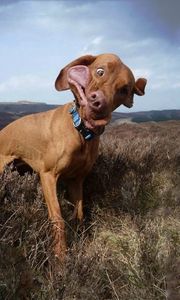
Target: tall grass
[{"x": 128, "y": 246}]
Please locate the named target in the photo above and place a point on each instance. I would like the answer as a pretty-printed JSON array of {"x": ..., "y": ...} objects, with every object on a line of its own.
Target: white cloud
[
  {"x": 142, "y": 72},
  {"x": 38, "y": 37},
  {"x": 176, "y": 85},
  {"x": 139, "y": 44},
  {"x": 93, "y": 45},
  {"x": 26, "y": 82},
  {"x": 78, "y": 8}
]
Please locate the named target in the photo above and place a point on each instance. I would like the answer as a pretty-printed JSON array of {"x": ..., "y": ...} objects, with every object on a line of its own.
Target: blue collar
[{"x": 79, "y": 125}]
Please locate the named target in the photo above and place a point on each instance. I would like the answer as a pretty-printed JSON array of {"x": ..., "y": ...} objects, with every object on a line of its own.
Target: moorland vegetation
[{"x": 127, "y": 248}]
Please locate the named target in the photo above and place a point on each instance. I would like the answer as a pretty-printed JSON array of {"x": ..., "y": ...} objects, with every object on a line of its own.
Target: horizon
[
  {"x": 28, "y": 102},
  {"x": 38, "y": 38}
]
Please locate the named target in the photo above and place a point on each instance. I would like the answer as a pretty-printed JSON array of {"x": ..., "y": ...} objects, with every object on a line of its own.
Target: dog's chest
[{"x": 79, "y": 161}]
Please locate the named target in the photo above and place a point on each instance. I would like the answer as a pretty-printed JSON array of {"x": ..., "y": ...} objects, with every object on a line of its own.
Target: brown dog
[{"x": 64, "y": 142}]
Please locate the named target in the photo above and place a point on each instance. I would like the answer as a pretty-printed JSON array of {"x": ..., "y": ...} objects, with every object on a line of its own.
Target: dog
[{"x": 63, "y": 142}]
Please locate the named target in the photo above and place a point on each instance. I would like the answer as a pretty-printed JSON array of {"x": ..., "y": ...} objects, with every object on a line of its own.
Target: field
[{"x": 129, "y": 245}]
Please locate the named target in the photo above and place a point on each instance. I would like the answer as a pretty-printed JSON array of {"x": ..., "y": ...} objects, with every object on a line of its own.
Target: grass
[{"x": 128, "y": 247}]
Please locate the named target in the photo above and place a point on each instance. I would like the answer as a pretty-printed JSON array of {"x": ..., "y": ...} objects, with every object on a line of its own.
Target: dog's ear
[
  {"x": 139, "y": 88},
  {"x": 61, "y": 82}
]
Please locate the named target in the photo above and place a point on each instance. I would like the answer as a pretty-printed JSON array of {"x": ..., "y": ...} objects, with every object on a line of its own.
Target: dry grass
[{"x": 128, "y": 247}]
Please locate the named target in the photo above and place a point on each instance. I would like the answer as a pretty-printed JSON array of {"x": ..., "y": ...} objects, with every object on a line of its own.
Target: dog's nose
[{"x": 97, "y": 101}]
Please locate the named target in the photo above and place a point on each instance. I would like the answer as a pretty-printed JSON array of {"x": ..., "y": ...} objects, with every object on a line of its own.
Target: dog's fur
[{"x": 50, "y": 144}]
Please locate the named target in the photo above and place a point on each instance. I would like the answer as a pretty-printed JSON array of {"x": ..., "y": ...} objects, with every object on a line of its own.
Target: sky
[{"x": 38, "y": 38}]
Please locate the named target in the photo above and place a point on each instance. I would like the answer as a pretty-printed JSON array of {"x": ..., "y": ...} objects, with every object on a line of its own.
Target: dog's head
[{"x": 100, "y": 84}]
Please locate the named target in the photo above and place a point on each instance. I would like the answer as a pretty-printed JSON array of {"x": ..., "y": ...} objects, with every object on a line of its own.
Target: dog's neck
[{"x": 79, "y": 124}]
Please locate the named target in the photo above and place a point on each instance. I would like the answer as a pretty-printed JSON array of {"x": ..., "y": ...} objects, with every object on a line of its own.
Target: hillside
[
  {"x": 147, "y": 116},
  {"x": 128, "y": 246},
  {"x": 10, "y": 111}
]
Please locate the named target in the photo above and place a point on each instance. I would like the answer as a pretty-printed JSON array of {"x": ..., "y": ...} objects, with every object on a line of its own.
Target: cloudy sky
[{"x": 38, "y": 38}]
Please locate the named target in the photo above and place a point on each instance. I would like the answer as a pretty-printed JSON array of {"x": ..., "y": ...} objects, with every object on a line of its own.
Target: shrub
[{"x": 128, "y": 247}]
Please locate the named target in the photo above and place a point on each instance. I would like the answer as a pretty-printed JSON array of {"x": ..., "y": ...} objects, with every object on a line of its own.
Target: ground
[{"x": 128, "y": 246}]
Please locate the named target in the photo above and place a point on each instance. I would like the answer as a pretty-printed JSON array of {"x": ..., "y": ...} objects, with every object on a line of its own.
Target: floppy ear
[
  {"x": 139, "y": 88},
  {"x": 61, "y": 82}
]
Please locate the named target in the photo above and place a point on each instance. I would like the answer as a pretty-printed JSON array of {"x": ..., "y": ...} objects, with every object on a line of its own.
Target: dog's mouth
[
  {"x": 94, "y": 119},
  {"x": 94, "y": 122},
  {"x": 97, "y": 126}
]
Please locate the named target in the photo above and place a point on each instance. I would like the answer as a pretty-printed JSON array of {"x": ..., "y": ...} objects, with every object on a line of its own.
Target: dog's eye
[{"x": 100, "y": 71}]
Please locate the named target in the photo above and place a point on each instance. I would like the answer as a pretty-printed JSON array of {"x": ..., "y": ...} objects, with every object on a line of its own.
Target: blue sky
[{"x": 38, "y": 38}]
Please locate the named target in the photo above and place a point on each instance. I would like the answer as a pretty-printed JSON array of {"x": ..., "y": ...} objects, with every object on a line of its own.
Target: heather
[{"x": 128, "y": 245}]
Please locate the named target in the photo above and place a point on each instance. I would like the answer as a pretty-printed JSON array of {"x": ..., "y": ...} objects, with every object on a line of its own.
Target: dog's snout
[
  {"x": 97, "y": 104},
  {"x": 96, "y": 100},
  {"x": 94, "y": 95}
]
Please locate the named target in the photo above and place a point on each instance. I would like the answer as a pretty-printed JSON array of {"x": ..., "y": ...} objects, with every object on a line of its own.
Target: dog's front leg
[
  {"x": 75, "y": 189},
  {"x": 48, "y": 181}
]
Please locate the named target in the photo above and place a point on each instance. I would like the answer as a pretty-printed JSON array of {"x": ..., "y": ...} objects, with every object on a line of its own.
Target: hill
[
  {"x": 147, "y": 116},
  {"x": 10, "y": 111}
]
